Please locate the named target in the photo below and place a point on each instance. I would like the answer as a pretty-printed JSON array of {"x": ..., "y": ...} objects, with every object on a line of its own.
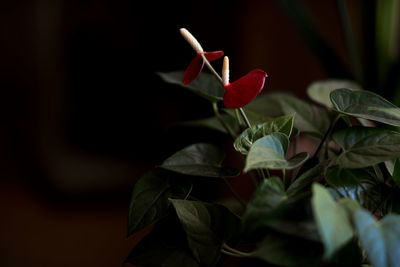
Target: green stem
[
  {"x": 245, "y": 117},
  {"x": 235, "y": 252},
  {"x": 284, "y": 177},
  {"x": 327, "y": 134},
  {"x": 234, "y": 193},
  {"x": 219, "y": 117}
]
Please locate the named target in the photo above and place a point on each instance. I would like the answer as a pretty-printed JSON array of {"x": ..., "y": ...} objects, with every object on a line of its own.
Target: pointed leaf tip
[
  {"x": 241, "y": 92},
  {"x": 193, "y": 70}
]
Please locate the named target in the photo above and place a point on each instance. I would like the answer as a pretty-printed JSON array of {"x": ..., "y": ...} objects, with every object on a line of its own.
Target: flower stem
[
  {"x": 327, "y": 134},
  {"x": 207, "y": 63},
  {"x": 234, "y": 193},
  {"x": 219, "y": 117},
  {"x": 245, "y": 117}
]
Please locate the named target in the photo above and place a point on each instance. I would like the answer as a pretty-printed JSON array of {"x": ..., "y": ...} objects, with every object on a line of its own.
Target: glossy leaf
[
  {"x": 319, "y": 91},
  {"x": 149, "y": 201},
  {"x": 309, "y": 118},
  {"x": 332, "y": 221},
  {"x": 206, "y": 227},
  {"x": 286, "y": 250},
  {"x": 365, "y": 146},
  {"x": 379, "y": 239},
  {"x": 366, "y": 105},
  {"x": 282, "y": 124},
  {"x": 241, "y": 92},
  {"x": 165, "y": 246},
  {"x": 269, "y": 152},
  {"x": 206, "y": 85},
  {"x": 200, "y": 159}
]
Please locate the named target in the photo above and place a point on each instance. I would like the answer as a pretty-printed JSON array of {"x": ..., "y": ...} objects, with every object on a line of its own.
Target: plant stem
[
  {"x": 245, "y": 117},
  {"x": 284, "y": 177},
  {"x": 235, "y": 252},
  {"x": 327, "y": 134},
  {"x": 234, "y": 193},
  {"x": 218, "y": 115},
  {"x": 207, "y": 63}
]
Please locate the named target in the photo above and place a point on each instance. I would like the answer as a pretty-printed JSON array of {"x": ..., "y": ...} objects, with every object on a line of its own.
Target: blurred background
[{"x": 84, "y": 115}]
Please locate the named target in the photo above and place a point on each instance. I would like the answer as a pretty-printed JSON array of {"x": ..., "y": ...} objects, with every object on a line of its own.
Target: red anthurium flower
[
  {"x": 197, "y": 64},
  {"x": 241, "y": 92}
]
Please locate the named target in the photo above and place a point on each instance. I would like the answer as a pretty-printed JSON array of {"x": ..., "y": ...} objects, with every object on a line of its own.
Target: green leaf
[
  {"x": 213, "y": 123},
  {"x": 332, "y": 221},
  {"x": 271, "y": 208},
  {"x": 306, "y": 179},
  {"x": 365, "y": 146},
  {"x": 165, "y": 246},
  {"x": 286, "y": 250},
  {"x": 149, "y": 201},
  {"x": 206, "y": 85},
  {"x": 269, "y": 152},
  {"x": 248, "y": 137},
  {"x": 206, "y": 227},
  {"x": 379, "y": 239},
  {"x": 200, "y": 159},
  {"x": 309, "y": 118},
  {"x": 319, "y": 91},
  {"x": 366, "y": 105}
]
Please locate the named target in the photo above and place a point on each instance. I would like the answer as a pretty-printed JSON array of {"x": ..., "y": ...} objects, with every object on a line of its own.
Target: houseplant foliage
[{"x": 336, "y": 206}]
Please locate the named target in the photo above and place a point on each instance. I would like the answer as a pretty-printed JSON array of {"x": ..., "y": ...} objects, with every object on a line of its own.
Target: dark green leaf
[
  {"x": 365, "y": 146},
  {"x": 379, "y": 239},
  {"x": 206, "y": 226},
  {"x": 248, "y": 137},
  {"x": 285, "y": 250},
  {"x": 206, "y": 85},
  {"x": 271, "y": 208},
  {"x": 366, "y": 105},
  {"x": 320, "y": 91},
  {"x": 199, "y": 160},
  {"x": 269, "y": 152},
  {"x": 306, "y": 179},
  {"x": 149, "y": 201},
  {"x": 332, "y": 221},
  {"x": 213, "y": 123},
  {"x": 309, "y": 118},
  {"x": 165, "y": 246}
]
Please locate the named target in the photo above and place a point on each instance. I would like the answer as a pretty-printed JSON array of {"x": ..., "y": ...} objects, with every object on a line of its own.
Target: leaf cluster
[{"x": 335, "y": 204}]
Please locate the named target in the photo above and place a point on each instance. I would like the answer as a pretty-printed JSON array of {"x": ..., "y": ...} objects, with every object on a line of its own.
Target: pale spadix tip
[
  {"x": 191, "y": 40},
  {"x": 225, "y": 71}
]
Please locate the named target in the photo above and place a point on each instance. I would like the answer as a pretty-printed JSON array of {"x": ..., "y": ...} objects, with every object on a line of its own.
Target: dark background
[{"x": 84, "y": 115}]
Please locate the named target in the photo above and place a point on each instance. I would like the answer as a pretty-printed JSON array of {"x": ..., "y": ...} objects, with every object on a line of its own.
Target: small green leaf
[
  {"x": 165, "y": 246},
  {"x": 206, "y": 85},
  {"x": 149, "y": 201},
  {"x": 320, "y": 91},
  {"x": 332, "y": 221},
  {"x": 366, "y": 105},
  {"x": 379, "y": 239},
  {"x": 282, "y": 124},
  {"x": 269, "y": 152},
  {"x": 286, "y": 250},
  {"x": 364, "y": 146},
  {"x": 200, "y": 159},
  {"x": 206, "y": 226}
]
